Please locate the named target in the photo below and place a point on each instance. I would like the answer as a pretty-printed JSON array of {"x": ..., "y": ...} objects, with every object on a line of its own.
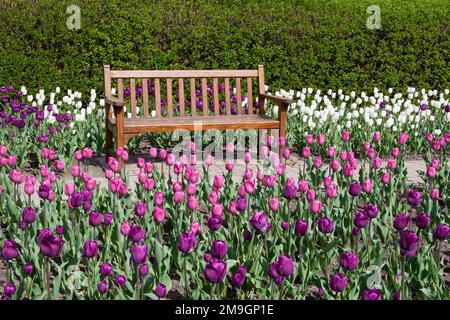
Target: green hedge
[{"x": 316, "y": 43}]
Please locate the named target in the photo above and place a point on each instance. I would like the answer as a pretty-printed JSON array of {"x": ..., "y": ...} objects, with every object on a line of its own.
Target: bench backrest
[{"x": 186, "y": 92}]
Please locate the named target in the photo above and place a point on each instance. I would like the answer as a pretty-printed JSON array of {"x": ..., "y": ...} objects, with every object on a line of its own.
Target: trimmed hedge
[{"x": 313, "y": 43}]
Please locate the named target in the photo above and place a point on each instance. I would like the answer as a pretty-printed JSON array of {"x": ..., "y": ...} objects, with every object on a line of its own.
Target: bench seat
[{"x": 169, "y": 124}]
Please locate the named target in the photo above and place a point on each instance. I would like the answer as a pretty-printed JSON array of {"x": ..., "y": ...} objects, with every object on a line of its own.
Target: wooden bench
[{"x": 143, "y": 90}]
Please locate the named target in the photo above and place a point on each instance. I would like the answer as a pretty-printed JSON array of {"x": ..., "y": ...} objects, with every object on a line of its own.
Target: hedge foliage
[{"x": 316, "y": 43}]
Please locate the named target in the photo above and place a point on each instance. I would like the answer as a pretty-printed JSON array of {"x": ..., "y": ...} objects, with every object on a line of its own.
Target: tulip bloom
[
  {"x": 338, "y": 282},
  {"x": 371, "y": 294},
  {"x": 422, "y": 220},
  {"x": 49, "y": 245},
  {"x": 349, "y": 260},
  {"x": 9, "y": 250},
  {"x": 409, "y": 242},
  {"x": 186, "y": 242},
  {"x": 138, "y": 253},
  {"x": 259, "y": 221},
  {"x": 301, "y": 227},
  {"x": 215, "y": 271},
  {"x": 401, "y": 221},
  {"x": 160, "y": 290},
  {"x": 90, "y": 249},
  {"x": 325, "y": 225},
  {"x": 219, "y": 249}
]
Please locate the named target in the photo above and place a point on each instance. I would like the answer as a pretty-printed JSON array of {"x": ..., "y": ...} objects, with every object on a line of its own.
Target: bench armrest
[
  {"x": 115, "y": 102},
  {"x": 276, "y": 99}
]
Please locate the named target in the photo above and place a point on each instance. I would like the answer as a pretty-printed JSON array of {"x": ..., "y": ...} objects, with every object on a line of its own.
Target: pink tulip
[
  {"x": 75, "y": 170},
  {"x": 52, "y": 176},
  {"x": 178, "y": 197},
  {"x": 213, "y": 197},
  {"x": 125, "y": 228},
  {"x": 376, "y": 163},
  {"x": 229, "y": 165},
  {"x": 310, "y": 195},
  {"x": 232, "y": 207},
  {"x": 109, "y": 174},
  {"x": 335, "y": 165},
  {"x": 269, "y": 180},
  {"x": 436, "y": 146},
  {"x": 376, "y": 136},
  {"x": 140, "y": 163},
  {"x": 331, "y": 151},
  {"x": 69, "y": 189},
  {"x": 114, "y": 184},
  {"x": 12, "y": 161},
  {"x": 159, "y": 198},
  {"x": 142, "y": 177},
  {"x": 391, "y": 164},
  {"x": 193, "y": 159},
  {"x": 274, "y": 204},
  {"x": 177, "y": 187},
  {"x": 247, "y": 157},
  {"x": 59, "y": 165},
  {"x": 372, "y": 153},
  {"x": 209, "y": 160},
  {"x": 153, "y": 152},
  {"x": 3, "y": 161},
  {"x": 434, "y": 194},
  {"x": 317, "y": 162},
  {"x": 395, "y": 152},
  {"x": 170, "y": 159},
  {"x": 85, "y": 176},
  {"x": 78, "y": 155},
  {"x": 269, "y": 140},
  {"x": 303, "y": 186},
  {"x": 431, "y": 172},
  {"x": 248, "y": 173},
  {"x": 345, "y": 136},
  {"x": 149, "y": 184},
  {"x": 15, "y": 176},
  {"x": 91, "y": 184},
  {"x": 192, "y": 203},
  {"x": 348, "y": 170},
  {"x": 320, "y": 139},
  {"x": 177, "y": 167},
  {"x": 286, "y": 153},
  {"x": 159, "y": 215},
  {"x": 265, "y": 151},
  {"x": 249, "y": 187},
  {"x": 194, "y": 177},
  {"x": 241, "y": 191},
  {"x": 123, "y": 190},
  {"x": 366, "y": 145},
  {"x": 51, "y": 195},
  {"x": 435, "y": 163},
  {"x": 230, "y": 147},
  {"x": 403, "y": 139},
  {"x": 162, "y": 154},
  {"x": 148, "y": 167},
  {"x": 260, "y": 175},
  {"x": 282, "y": 141},
  {"x": 316, "y": 206},
  {"x": 327, "y": 180},
  {"x": 3, "y": 150},
  {"x": 195, "y": 227},
  {"x": 87, "y": 153},
  {"x": 367, "y": 185},
  {"x": 385, "y": 178},
  {"x": 306, "y": 152},
  {"x": 29, "y": 188},
  {"x": 343, "y": 155},
  {"x": 217, "y": 209},
  {"x": 43, "y": 170},
  {"x": 331, "y": 191},
  {"x": 309, "y": 138},
  {"x": 429, "y": 137}
]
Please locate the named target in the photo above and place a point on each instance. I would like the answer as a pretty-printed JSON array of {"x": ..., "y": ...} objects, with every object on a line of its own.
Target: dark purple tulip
[
  {"x": 338, "y": 282},
  {"x": 90, "y": 249},
  {"x": 102, "y": 286},
  {"x": 290, "y": 191},
  {"x": 138, "y": 253},
  {"x": 396, "y": 295},
  {"x": 325, "y": 225},
  {"x": 214, "y": 222},
  {"x": 44, "y": 191},
  {"x": 28, "y": 268},
  {"x": 441, "y": 232},
  {"x": 207, "y": 256},
  {"x": 87, "y": 205},
  {"x": 414, "y": 197},
  {"x": 136, "y": 234},
  {"x": 285, "y": 265},
  {"x": 160, "y": 290},
  {"x": 108, "y": 216},
  {"x": 247, "y": 235},
  {"x": 241, "y": 204},
  {"x": 275, "y": 274},
  {"x": 408, "y": 243},
  {"x": 361, "y": 220},
  {"x": 29, "y": 215},
  {"x": 371, "y": 294},
  {"x": 186, "y": 242},
  {"x": 349, "y": 260},
  {"x": 422, "y": 220},
  {"x": 9, "y": 289},
  {"x": 355, "y": 189},
  {"x": 76, "y": 199},
  {"x": 259, "y": 221},
  {"x": 143, "y": 270},
  {"x": 215, "y": 271},
  {"x": 120, "y": 280},
  {"x": 49, "y": 245},
  {"x": 284, "y": 225},
  {"x": 95, "y": 219},
  {"x": 400, "y": 221},
  {"x": 140, "y": 209},
  {"x": 59, "y": 230},
  {"x": 9, "y": 250},
  {"x": 22, "y": 225},
  {"x": 301, "y": 227},
  {"x": 356, "y": 231},
  {"x": 238, "y": 278},
  {"x": 219, "y": 249},
  {"x": 371, "y": 211},
  {"x": 105, "y": 269}
]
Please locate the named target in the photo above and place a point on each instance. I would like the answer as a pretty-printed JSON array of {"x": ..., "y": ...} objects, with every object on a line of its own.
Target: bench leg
[{"x": 108, "y": 143}]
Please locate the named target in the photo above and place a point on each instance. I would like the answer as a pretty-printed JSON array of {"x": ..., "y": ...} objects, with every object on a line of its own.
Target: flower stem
[
  {"x": 47, "y": 276},
  {"x": 186, "y": 280}
]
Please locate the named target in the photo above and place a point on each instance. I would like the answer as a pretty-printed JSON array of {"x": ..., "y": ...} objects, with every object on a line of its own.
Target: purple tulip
[
  {"x": 441, "y": 232},
  {"x": 102, "y": 287},
  {"x": 90, "y": 249},
  {"x": 138, "y": 253},
  {"x": 338, "y": 282},
  {"x": 275, "y": 274},
  {"x": 414, "y": 197},
  {"x": 408, "y": 243},
  {"x": 349, "y": 260},
  {"x": 187, "y": 242},
  {"x": 241, "y": 204},
  {"x": 247, "y": 235},
  {"x": 160, "y": 290},
  {"x": 301, "y": 227},
  {"x": 422, "y": 220},
  {"x": 9, "y": 250},
  {"x": 214, "y": 222},
  {"x": 9, "y": 289},
  {"x": 371, "y": 294},
  {"x": 140, "y": 209},
  {"x": 259, "y": 221},
  {"x": 120, "y": 280},
  {"x": 59, "y": 230},
  {"x": 238, "y": 278},
  {"x": 29, "y": 215},
  {"x": 355, "y": 189},
  {"x": 107, "y": 218},
  {"x": 361, "y": 220},
  {"x": 371, "y": 211},
  {"x": 105, "y": 269},
  {"x": 215, "y": 271},
  {"x": 95, "y": 219},
  {"x": 136, "y": 234},
  {"x": 219, "y": 249},
  {"x": 76, "y": 199},
  {"x": 143, "y": 270},
  {"x": 290, "y": 191},
  {"x": 285, "y": 265},
  {"x": 28, "y": 268},
  {"x": 49, "y": 245},
  {"x": 44, "y": 191},
  {"x": 325, "y": 225},
  {"x": 400, "y": 221}
]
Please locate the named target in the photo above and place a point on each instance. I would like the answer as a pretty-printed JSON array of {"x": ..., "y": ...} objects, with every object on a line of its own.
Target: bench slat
[
  {"x": 216, "y": 96},
  {"x": 181, "y": 95},
  {"x": 133, "y": 97},
  {"x": 169, "y": 97},
  {"x": 145, "y": 97},
  {"x": 193, "y": 96},
  {"x": 239, "y": 95},
  {"x": 157, "y": 98},
  {"x": 249, "y": 96},
  {"x": 183, "y": 73},
  {"x": 227, "y": 96},
  {"x": 204, "y": 97}
]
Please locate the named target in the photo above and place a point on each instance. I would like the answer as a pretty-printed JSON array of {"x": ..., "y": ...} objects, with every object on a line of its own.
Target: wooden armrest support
[
  {"x": 280, "y": 100},
  {"x": 115, "y": 102}
]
